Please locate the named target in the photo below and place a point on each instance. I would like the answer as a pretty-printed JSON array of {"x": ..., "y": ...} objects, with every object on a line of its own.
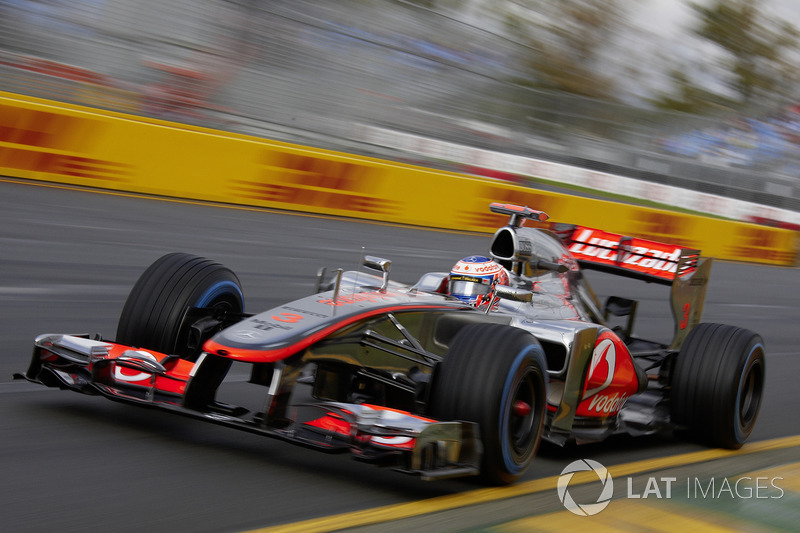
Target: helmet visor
[{"x": 468, "y": 286}]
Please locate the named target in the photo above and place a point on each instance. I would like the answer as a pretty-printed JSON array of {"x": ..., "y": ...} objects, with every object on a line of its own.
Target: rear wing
[
  {"x": 632, "y": 257},
  {"x": 682, "y": 269},
  {"x": 668, "y": 264}
]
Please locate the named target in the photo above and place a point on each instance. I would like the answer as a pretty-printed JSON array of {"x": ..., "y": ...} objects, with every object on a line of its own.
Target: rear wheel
[
  {"x": 155, "y": 313},
  {"x": 495, "y": 375},
  {"x": 718, "y": 384}
]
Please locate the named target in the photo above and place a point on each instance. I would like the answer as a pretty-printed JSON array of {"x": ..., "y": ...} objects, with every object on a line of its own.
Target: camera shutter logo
[{"x": 585, "y": 509}]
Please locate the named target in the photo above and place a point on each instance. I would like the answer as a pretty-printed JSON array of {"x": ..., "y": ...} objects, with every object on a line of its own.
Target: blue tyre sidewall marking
[
  {"x": 748, "y": 363},
  {"x": 511, "y": 466},
  {"x": 218, "y": 289}
]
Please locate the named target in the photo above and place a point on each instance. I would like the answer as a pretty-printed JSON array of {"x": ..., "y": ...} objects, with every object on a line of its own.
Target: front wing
[{"x": 407, "y": 442}]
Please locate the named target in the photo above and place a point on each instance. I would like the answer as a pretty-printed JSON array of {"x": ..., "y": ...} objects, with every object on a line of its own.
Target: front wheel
[
  {"x": 495, "y": 375},
  {"x": 155, "y": 314},
  {"x": 718, "y": 384}
]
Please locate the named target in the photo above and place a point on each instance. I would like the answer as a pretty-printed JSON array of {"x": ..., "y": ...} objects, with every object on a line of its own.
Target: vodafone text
[{"x": 608, "y": 404}]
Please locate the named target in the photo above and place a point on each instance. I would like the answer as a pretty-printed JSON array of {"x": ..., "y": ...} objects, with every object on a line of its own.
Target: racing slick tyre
[
  {"x": 718, "y": 384},
  {"x": 154, "y": 314},
  {"x": 495, "y": 375}
]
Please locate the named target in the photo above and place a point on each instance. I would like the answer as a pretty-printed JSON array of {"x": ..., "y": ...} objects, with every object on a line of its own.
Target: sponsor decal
[
  {"x": 524, "y": 247},
  {"x": 764, "y": 244},
  {"x": 120, "y": 375},
  {"x": 603, "y": 351},
  {"x": 62, "y": 164},
  {"x": 34, "y": 139},
  {"x": 130, "y": 375},
  {"x": 246, "y": 334},
  {"x": 393, "y": 441},
  {"x": 283, "y": 321},
  {"x": 290, "y": 318},
  {"x": 660, "y": 225},
  {"x": 304, "y": 311},
  {"x": 370, "y": 296},
  {"x": 480, "y": 269},
  {"x": 635, "y": 253},
  {"x": 317, "y": 182},
  {"x": 266, "y": 326},
  {"x": 611, "y": 404},
  {"x": 610, "y": 380}
]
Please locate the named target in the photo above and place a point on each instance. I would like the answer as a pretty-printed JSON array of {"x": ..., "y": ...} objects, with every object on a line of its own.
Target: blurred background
[{"x": 698, "y": 95}]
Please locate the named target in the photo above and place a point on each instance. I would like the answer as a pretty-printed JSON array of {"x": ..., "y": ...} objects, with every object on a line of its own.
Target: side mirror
[
  {"x": 504, "y": 292},
  {"x": 381, "y": 265},
  {"x": 547, "y": 265},
  {"x": 510, "y": 293}
]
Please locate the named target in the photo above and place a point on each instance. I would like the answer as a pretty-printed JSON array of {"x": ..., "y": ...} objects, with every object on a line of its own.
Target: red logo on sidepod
[{"x": 610, "y": 379}]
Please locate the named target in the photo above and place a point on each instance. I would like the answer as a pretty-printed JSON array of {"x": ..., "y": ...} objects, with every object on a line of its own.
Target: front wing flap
[{"x": 412, "y": 444}]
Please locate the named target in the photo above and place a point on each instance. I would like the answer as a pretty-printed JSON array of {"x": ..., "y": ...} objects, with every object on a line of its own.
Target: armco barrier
[{"x": 43, "y": 140}]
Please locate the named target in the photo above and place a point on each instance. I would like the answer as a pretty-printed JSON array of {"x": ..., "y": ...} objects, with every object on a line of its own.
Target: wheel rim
[
  {"x": 226, "y": 303},
  {"x": 522, "y": 421}
]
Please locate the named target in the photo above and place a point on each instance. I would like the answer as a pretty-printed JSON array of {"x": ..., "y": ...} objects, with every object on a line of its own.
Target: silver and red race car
[{"x": 409, "y": 377}]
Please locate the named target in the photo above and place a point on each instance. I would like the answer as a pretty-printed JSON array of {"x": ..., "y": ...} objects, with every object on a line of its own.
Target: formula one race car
[{"x": 410, "y": 377}]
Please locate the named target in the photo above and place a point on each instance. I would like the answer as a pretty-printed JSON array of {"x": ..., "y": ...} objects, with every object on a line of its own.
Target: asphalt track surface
[{"x": 77, "y": 463}]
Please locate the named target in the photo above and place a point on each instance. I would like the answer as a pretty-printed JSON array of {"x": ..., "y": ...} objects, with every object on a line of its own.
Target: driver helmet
[{"x": 472, "y": 279}]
